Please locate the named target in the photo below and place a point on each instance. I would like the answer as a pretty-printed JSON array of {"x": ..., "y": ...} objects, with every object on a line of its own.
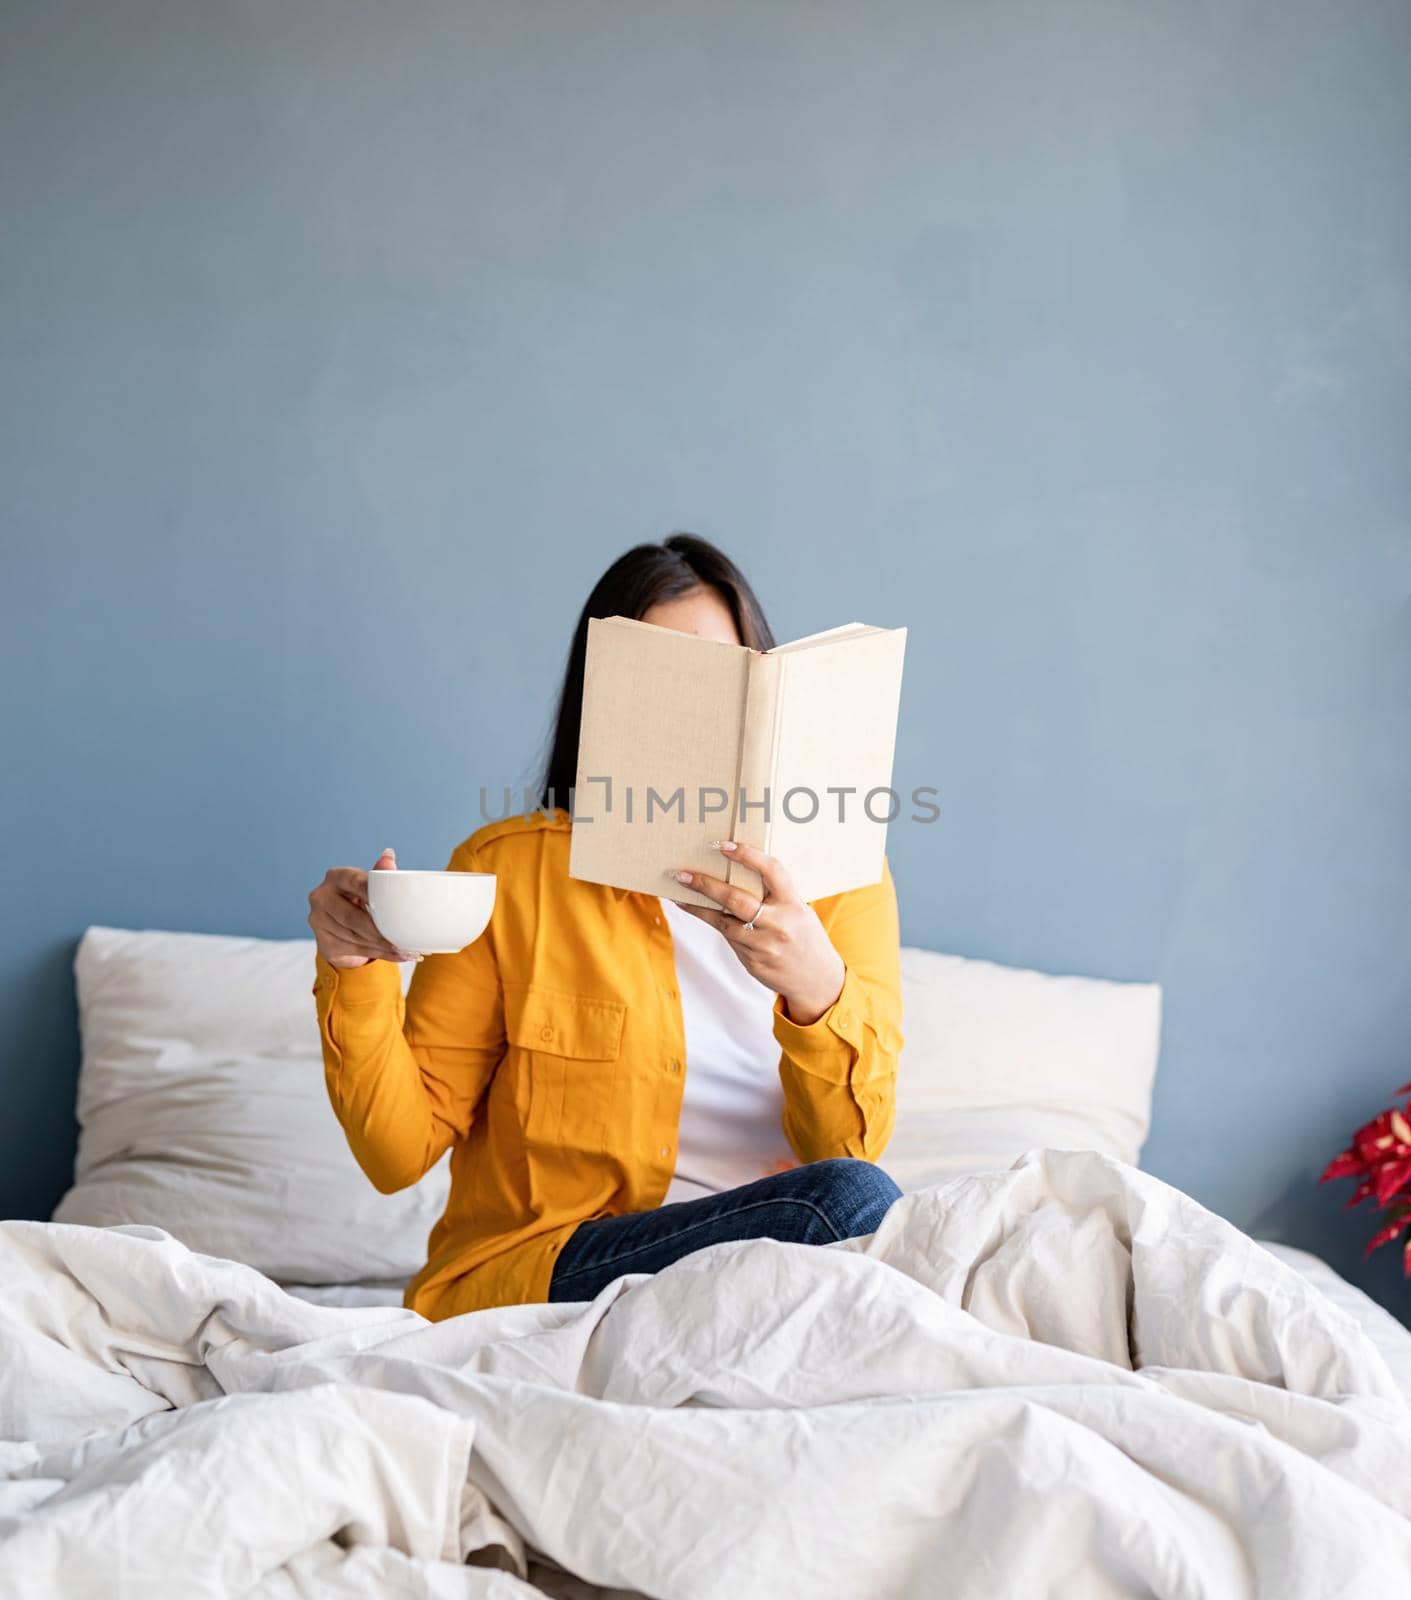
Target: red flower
[
  {"x": 1392, "y": 1177},
  {"x": 1390, "y": 1231},
  {"x": 1379, "y": 1157}
]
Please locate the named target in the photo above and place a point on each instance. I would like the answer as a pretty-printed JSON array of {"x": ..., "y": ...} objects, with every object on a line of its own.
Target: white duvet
[{"x": 1063, "y": 1380}]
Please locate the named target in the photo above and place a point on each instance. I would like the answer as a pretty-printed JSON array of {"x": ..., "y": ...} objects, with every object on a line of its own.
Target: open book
[{"x": 688, "y": 740}]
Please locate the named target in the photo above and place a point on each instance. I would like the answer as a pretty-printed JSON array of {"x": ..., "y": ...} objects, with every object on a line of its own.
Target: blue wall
[{"x": 344, "y": 343}]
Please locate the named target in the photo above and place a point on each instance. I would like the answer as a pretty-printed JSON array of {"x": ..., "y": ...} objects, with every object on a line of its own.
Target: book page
[
  {"x": 828, "y": 636},
  {"x": 658, "y": 756},
  {"x": 837, "y": 731}
]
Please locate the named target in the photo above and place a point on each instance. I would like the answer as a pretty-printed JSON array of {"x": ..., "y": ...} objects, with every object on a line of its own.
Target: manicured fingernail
[
  {"x": 728, "y": 846},
  {"x": 681, "y": 877}
]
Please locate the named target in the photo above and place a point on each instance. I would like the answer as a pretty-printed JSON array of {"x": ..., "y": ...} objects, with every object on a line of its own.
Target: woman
[{"x": 621, "y": 1079}]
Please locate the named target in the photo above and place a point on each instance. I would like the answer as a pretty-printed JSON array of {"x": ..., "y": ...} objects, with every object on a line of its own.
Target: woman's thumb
[{"x": 386, "y": 862}]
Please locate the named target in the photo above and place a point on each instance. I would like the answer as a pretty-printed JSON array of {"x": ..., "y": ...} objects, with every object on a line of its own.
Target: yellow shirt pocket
[{"x": 564, "y": 1055}]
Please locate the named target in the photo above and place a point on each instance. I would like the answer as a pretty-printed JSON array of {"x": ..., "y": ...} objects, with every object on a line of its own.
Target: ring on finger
[{"x": 758, "y": 912}]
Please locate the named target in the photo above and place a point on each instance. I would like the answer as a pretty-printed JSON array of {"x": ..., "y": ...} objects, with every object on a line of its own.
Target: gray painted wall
[{"x": 345, "y": 342}]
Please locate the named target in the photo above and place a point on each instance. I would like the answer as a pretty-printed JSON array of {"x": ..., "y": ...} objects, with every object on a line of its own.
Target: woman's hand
[
  {"x": 787, "y": 948},
  {"x": 338, "y": 914}
]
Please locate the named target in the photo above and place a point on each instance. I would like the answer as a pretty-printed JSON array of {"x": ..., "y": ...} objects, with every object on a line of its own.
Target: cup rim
[{"x": 423, "y": 872}]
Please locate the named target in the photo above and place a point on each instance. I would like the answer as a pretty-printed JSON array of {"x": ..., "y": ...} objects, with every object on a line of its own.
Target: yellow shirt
[{"x": 549, "y": 1056}]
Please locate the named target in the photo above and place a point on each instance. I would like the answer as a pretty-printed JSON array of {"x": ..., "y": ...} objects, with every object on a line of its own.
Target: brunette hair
[{"x": 631, "y": 586}]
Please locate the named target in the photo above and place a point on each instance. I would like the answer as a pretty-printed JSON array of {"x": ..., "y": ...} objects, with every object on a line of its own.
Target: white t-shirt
[{"x": 731, "y": 1108}]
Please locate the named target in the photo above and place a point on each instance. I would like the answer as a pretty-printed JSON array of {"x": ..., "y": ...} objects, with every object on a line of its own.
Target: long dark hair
[{"x": 631, "y": 586}]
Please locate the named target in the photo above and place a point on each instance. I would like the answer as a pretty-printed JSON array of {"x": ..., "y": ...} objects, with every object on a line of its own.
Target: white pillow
[
  {"x": 999, "y": 1060},
  {"x": 202, "y": 1110}
]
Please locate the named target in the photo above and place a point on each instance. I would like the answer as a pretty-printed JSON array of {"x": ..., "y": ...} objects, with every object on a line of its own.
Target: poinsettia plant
[{"x": 1379, "y": 1157}]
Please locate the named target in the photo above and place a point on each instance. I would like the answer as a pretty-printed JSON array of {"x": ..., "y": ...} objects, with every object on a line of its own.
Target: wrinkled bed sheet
[{"x": 1063, "y": 1380}]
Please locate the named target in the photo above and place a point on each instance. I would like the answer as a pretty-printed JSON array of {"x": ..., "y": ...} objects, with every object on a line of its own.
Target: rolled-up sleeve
[
  {"x": 405, "y": 1076},
  {"x": 839, "y": 1073}
]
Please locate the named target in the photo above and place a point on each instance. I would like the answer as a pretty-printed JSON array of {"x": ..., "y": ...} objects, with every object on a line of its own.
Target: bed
[{"x": 1047, "y": 1374}]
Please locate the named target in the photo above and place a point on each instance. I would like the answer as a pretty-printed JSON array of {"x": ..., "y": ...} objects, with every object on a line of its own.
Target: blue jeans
[{"x": 813, "y": 1204}]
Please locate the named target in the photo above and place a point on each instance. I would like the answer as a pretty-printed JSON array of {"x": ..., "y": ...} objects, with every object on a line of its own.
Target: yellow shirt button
[
  {"x": 546, "y": 1032},
  {"x": 844, "y": 1020},
  {"x": 664, "y": 1151},
  {"x": 674, "y": 1065}
]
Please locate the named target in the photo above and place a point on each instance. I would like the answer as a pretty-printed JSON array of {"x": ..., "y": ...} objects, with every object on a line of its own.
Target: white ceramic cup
[{"x": 430, "y": 913}]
